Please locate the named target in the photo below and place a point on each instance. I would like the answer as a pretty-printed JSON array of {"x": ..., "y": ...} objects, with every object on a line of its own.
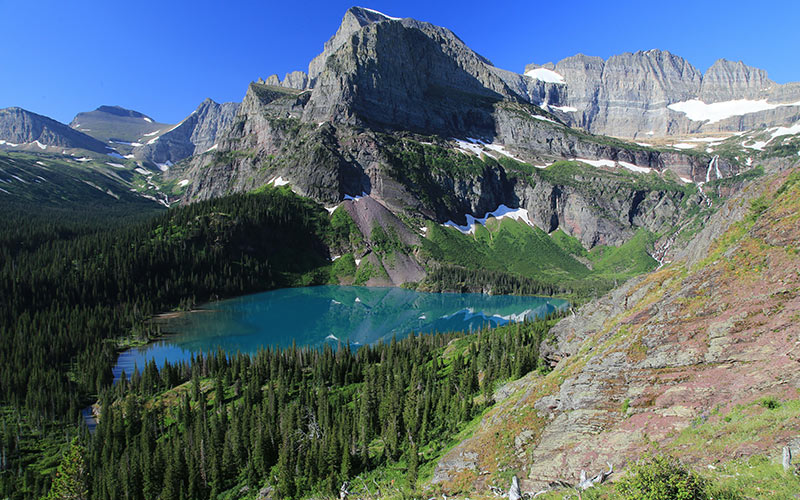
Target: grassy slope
[
  {"x": 735, "y": 445},
  {"x": 519, "y": 249}
]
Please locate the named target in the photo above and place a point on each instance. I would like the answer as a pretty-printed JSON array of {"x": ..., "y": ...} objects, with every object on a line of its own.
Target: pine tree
[{"x": 72, "y": 477}]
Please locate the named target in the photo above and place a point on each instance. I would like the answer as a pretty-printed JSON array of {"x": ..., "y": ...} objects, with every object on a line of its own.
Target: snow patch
[
  {"x": 183, "y": 182},
  {"x": 597, "y": 163},
  {"x": 142, "y": 171},
  {"x": 502, "y": 212},
  {"x": 565, "y": 109},
  {"x": 544, "y": 119},
  {"x": 381, "y": 14},
  {"x": 153, "y": 140},
  {"x": 164, "y": 166},
  {"x": 652, "y": 132},
  {"x": 781, "y": 131},
  {"x": 545, "y": 75},
  {"x": 502, "y": 150},
  {"x": 697, "y": 110},
  {"x": 358, "y": 262},
  {"x": 634, "y": 168},
  {"x": 151, "y": 134},
  {"x": 469, "y": 147},
  {"x": 757, "y": 145},
  {"x": 212, "y": 148},
  {"x": 278, "y": 181},
  {"x": 118, "y": 165},
  {"x": 3, "y": 190},
  {"x": 84, "y": 159},
  {"x": 41, "y": 146},
  {"x": 355, "y": 197},
  {"x": 685, "y": 180},
  {"x": 684, "y": 145},
  {"x": 148, "y": 120}
]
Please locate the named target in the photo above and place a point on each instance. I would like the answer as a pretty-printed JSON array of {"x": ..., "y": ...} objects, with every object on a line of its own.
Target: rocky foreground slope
[{"x": 691, "y": 358}]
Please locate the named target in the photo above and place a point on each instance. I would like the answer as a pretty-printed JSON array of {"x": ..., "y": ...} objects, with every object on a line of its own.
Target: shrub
[
  {"x": 661, "y": 477},
  {"x": 770, "y": 403}
]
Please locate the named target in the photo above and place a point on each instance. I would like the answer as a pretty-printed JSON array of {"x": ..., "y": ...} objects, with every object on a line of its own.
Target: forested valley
[{"x": 78, "y": 286}]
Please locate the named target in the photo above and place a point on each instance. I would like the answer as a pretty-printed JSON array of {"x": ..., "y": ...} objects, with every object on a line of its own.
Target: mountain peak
[
  {"x": 367, "y": 15},
  {"x": 20, "y": 126}
]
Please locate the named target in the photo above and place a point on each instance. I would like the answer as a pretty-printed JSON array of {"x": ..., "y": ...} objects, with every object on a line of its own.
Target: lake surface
[{"x": 312, "y": 316}]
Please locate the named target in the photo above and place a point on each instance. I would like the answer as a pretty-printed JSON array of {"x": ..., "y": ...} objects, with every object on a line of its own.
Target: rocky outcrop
[
  {"x": 196, "y": 134},
  {"x": 684, "y": 347},
  {"x": 20, "y": 129}
]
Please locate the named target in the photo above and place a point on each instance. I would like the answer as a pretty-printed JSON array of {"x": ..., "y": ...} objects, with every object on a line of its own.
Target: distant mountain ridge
[
  {"x": 115, "y": 123},
  {"x": 196, "y": 134},
  {"x": 20, "y": 128},
  {"x": 657, "y": 93}
]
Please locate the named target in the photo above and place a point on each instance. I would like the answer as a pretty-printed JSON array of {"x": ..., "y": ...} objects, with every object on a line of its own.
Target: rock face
[
  {"x": 21, "y": 128},
  {"x": 683, "y": 347},
  {"x": 194, "y": 135},
  {"x": 377, "y": 116},
  {"x": 628, "y": 95}
]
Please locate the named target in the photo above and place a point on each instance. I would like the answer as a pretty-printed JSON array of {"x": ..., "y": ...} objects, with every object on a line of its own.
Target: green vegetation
[
  {"x": 521, "y": 257},
  {"x": 301, "y": 420},
  {"x": 35, "y": 180},
  {"x": 661, "y": 477}
]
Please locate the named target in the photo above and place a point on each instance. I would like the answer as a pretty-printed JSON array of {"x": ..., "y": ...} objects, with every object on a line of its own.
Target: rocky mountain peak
[
  {"x": 354, "y": 19},
  {"x": 631, "y": 94},
  {"x": 727, "y": 80},
  {"x": 120, "y": 111},
  {"x": 20, "y": 127},
  {"x": 196, "y": 134}
]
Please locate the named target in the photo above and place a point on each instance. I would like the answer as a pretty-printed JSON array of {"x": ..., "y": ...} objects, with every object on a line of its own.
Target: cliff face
[
  {"x": 630, "y": 95},
  {"x": 677, "y": 357},
  {"x": 195, "y": 135},
  {"x": 20, "y": 128}
]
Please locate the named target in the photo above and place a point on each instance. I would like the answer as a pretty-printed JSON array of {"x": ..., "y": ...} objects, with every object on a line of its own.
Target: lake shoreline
[{"x": 316, "y": 315}]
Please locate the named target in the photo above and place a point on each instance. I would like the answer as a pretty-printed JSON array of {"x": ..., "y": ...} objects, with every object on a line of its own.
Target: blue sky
[{"x": 163, "y": 58}]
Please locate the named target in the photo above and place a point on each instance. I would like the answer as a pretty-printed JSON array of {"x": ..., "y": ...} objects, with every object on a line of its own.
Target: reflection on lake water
[{"x": 312, "y": 316}]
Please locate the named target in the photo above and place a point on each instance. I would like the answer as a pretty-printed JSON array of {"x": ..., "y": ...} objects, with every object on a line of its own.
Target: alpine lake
[{"x": 314, "y": 316}]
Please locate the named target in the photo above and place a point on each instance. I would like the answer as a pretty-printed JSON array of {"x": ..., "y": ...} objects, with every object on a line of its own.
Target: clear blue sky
[{"x": 163, "y": 58}]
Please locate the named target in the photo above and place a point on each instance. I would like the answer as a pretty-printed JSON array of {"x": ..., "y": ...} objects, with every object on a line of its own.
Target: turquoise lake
[{"x": 312, "y": 316}]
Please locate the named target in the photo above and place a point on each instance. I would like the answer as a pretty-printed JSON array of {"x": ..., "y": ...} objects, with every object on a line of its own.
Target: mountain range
[{"x": 662, "y": 200}]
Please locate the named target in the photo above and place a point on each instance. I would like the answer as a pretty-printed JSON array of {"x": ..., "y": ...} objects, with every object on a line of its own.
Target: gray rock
[
  {"x": 728, "y": 80},
  {"x": 628, "y": 95},
  {"x": 514, "y": 493},
  {"x": 21, "y": 127},
  {"x": 196, "y": 134}
]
